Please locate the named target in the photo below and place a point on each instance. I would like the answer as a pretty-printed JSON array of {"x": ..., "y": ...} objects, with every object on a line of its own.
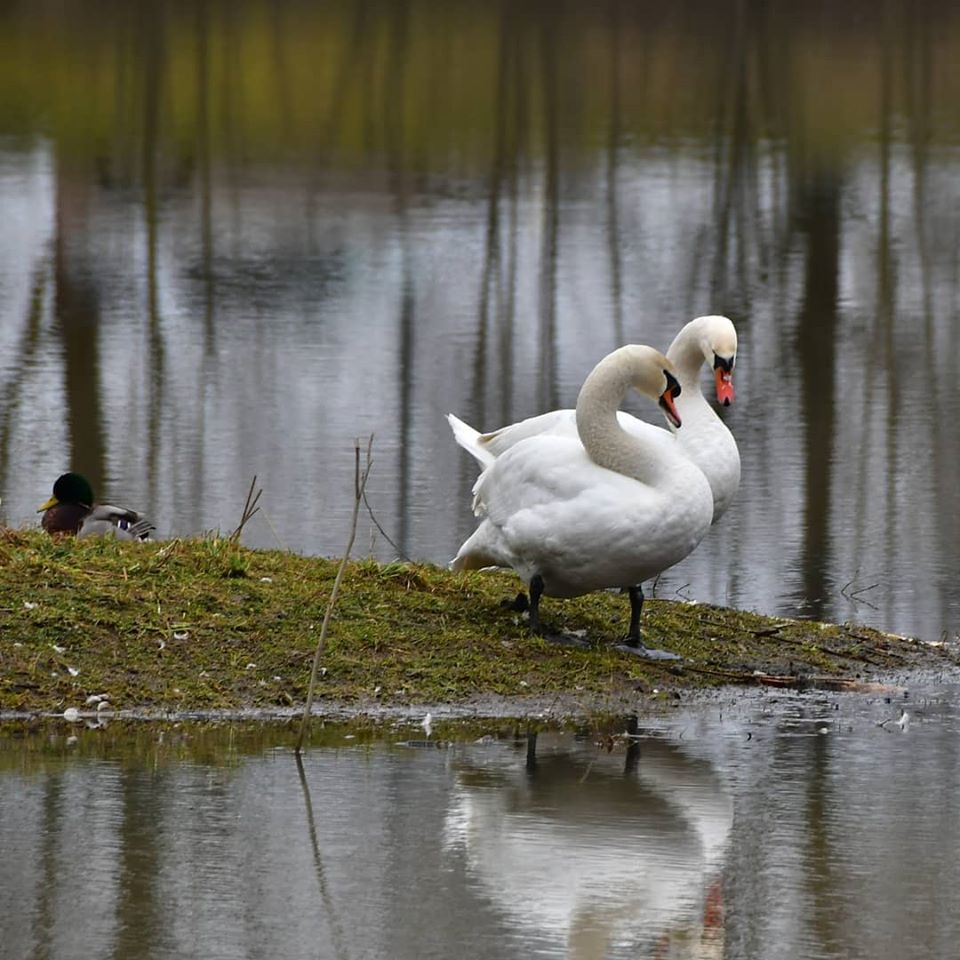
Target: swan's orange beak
[
  {"x": 725, "y": 392},
  {"x": 669, "y": 407}
]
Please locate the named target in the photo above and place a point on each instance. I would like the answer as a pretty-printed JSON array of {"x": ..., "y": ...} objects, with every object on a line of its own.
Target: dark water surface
[
  {"x": 235, "y": 236},
  {"x": 784, "y": 827}
]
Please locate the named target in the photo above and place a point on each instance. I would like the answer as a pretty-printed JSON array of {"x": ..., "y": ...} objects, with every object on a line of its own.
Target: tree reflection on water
[{"x": 238, "y": 235}]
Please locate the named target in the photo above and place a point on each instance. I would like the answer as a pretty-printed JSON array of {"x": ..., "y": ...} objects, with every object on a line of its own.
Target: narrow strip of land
[{"x": 207, "y": 624}]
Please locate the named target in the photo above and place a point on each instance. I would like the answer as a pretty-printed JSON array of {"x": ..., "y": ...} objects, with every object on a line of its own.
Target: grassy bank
[{"x": 207, "y": 624}]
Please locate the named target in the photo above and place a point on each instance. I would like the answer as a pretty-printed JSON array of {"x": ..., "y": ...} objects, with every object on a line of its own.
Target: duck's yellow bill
[{"x": 52, "y": 502}]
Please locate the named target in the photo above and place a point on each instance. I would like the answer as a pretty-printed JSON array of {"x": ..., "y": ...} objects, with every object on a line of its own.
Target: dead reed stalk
[
  {"x": 359, "y": 485},
  {"x": 249, "y": 509}
]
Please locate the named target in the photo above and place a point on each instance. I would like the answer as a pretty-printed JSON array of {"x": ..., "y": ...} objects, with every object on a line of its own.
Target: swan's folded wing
[
  {"x": 556, "y": 422},
  {"x": 548, "y": 508},
  {"x": 559, "y": 423},
  {"x": 551, "y": 475},
  {"x": 534, "y": 471}
]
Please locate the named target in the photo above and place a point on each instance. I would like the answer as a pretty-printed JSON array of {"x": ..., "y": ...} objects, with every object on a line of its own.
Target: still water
[
  {"x": 236, "y": 236},
  {"x": 783, "y": 827}
]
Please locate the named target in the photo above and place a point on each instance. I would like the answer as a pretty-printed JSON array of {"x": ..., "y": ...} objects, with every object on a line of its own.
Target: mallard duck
[{"x": 71, "y": 509}]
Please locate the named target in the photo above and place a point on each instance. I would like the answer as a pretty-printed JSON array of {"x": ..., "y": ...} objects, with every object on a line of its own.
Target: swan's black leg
[
  {"x": 633, "y": 746},
  {"x": 632, "y": 642},
  {"x": 564, "y": 640},
  {"x": 531, "y": 750},
  {"x": 536, "y": 591},
  {"x": 636, "y": 608}
]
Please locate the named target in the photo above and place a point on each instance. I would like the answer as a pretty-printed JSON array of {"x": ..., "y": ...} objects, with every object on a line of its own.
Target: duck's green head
[{"x": 70, "y": 488}]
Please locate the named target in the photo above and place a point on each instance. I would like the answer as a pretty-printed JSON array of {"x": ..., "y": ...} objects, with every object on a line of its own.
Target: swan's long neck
[
  {"x": 686, "y": 354},
  {"x": 607, "y": 443}
]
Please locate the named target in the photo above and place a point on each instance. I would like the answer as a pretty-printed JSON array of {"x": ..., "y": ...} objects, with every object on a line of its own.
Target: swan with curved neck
[
  {"x": 602, "y": 508},
  {"x": 705, "y": 438}
]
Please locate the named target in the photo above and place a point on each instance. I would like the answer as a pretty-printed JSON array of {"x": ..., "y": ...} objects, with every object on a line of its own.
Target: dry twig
[
  {"x": 359, "y": 483},
  {"x": 383, "y": 532},
  {"x": 249, "y": 509},
  {"x": 816, "y": 681}
]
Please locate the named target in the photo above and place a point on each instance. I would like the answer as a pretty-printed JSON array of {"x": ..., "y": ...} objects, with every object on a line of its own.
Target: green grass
[{"x": 207, "y": 624}]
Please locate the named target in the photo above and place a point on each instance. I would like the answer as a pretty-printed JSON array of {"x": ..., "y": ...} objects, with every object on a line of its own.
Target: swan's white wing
[
  {"x": 528, "y": 498},
  {"x": 704, "y": 439},
  {"x": 548, "y": 509},
  {"x": 559, "y": 422}
]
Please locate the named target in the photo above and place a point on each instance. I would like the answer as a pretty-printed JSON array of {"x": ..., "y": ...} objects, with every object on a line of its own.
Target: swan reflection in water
[{"x": 613, "y": 850}]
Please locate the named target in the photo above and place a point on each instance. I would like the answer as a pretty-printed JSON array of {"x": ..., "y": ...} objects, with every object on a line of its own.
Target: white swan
[
  {"x": 705, "y": 438},
  {"x": 605, "y": 509}
]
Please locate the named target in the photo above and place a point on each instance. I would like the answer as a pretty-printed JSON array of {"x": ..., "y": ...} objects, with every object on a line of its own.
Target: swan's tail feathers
[
  {"x": 478, "y": 553},
  {"x": 466, "y": 559},
  {"x": 475, "y": 561},
  {"x": 469, "y": 439}
]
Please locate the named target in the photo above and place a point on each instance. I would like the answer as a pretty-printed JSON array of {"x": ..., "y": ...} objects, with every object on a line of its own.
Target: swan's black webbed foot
[
  {"x": 560, "y": 639},
  {"x": 566, "y": 640},
  {"x": 519, "y": 604},
  {"x": 631, "y": 645}
]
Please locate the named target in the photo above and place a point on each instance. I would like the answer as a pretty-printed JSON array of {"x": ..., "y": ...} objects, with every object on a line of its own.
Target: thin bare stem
[
  {"x": 359, "y": 483},
  {"x": 383, "y": 532},
  {"x": 273, "y": 530},
  {"x": 249, "y": 509}
]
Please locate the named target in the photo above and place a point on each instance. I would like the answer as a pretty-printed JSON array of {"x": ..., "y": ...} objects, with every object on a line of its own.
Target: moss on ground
[{"x": 208, "y": 624}]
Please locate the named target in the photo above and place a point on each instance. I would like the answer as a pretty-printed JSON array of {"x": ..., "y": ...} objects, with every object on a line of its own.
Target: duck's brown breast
[{"x": 64, "y": 518}]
